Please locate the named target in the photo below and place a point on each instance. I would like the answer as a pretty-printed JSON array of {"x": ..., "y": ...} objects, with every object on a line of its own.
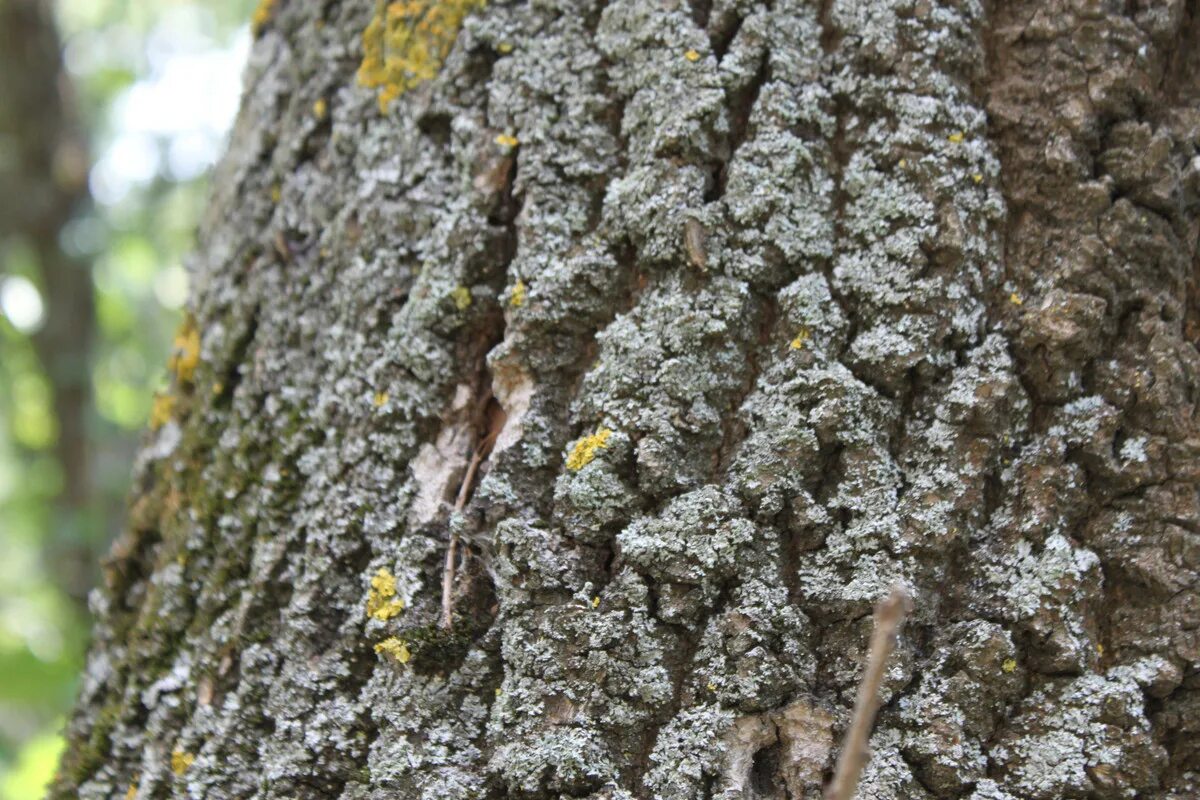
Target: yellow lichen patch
[
  {"x": 977, "y": 177},
  {"x": 504, "y": 48},
  {"x": 406, "y": 42},
  {"x": 394, "y": 648},
  {"x": 276, "y": 193},
  {"x": 586, "y": 449},
  {"x": 181, "y": 761},
  {"x": 517, "y": 298},
  {"x": 261, "y": 15},
  {"x": 956, "y": 138},
  {"x": 903, "y": 163},
  {"x": 132, "y": 791},
  {"x": 1015, "y": 299},
  {"x": 320, "y": 108},
  {"x": 803, "y": 336},
  {"x": 161, "y": 410},
  {"x": 712, "y": 687},
  {"x": 692, "y": 55},
  {"x": 388, "y": 610},
  {"x": 380, "y": 399},
  {"x": 382, "y": 603},
  {"x": 504, "y": 140},
  {"x": 1010, "y": 665},
  {"x": 383, "y": 583},
  {"x": 185, "y": 350},
  {"x": 596, "y": 601},
  {"x": 1099, "y": 649},
  {"x": 461, "y": 297}
]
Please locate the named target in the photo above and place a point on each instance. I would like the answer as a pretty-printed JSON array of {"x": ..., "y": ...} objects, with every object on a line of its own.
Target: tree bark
[{"x": 749, "y": 312}]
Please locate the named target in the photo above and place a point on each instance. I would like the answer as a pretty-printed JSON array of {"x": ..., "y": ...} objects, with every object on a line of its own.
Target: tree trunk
[{"x": 696, "y": 329}]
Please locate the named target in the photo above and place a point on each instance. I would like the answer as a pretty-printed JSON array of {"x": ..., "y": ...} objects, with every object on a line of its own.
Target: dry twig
[
  {"x": 889, "y": 615},
  {"x": 493, "y": 419},
  {"x": 464, "y": 491}
]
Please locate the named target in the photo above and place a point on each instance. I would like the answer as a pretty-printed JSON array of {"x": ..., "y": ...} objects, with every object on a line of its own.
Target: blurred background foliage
[{"x": 92, "y": 283}]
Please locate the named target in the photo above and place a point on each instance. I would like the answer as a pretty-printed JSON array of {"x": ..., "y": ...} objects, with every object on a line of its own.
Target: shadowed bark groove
[{"x": 926, "y": 324}]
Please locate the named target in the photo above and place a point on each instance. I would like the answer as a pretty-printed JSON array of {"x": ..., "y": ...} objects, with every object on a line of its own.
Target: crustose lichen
[
  {"x": 586, "y": 448},
  {"x": 185, "y": 355},
  {"x": 406, "y": 42},
  {"x": 181, "y": 761},
  {"x": 395, "y": 648},
  {"x": 261, "y": 16},
  {"x": 382, "y": 603}
]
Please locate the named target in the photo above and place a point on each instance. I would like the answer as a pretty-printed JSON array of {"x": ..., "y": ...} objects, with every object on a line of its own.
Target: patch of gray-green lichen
[
  {"x": 1086, "y": 734},
  {"x": 667, "y": 372},
  {"x": 885, "y": 397},
  {"x": 961, "y": 697}
]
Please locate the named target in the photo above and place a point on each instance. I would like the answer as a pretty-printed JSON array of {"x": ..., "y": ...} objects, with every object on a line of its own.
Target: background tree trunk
[
  {"x": 43, "y": 174},
  {"x": 749, "y": 312}
]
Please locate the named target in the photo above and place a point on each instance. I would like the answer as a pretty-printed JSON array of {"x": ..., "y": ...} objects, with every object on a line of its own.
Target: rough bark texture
[{"x": 769, "y": 306}]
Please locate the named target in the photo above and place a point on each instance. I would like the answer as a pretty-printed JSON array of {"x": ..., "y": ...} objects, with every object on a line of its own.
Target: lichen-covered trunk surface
[{"x": 744, "y": 311}]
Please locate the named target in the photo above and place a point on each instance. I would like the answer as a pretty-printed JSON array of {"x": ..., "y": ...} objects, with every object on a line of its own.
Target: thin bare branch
[
  {"x": 889, "y": 616},
  {"x": 464, "y": 492}
]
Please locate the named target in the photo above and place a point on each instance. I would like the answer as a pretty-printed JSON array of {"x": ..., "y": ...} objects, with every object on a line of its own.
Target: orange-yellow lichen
[
  {"x": 956, "y": 138},
  {"x": 394, "y": 648},
  {"x": 132, "y": 791},
  {"x": 798, "y": 343},
  {"x": 380, "y": 399},
  {"x": 586, "y": 448},
  {"x": 1010, "y": 665},
  {"x": 382, "y": 603},
  {"x": 517, "y": 298},
  {"x": 181, "y": 761},
  {"x": 504, "y": 48},
  {"x": 320, "y": 108},
  {"x": 977, "y": 177},
  {"x": 406, "y": 42},
  {"x": 461, "y": 296},
  {"x": 692, "y": 55},
  {"x": 161, "y": 410},
  {"x": 596, "y": 601},
  {"x": 1015, "y": 299},
  {"x": 185, "y": 350},
  {"x": 261, "y": 15},
  {"x": 505, "y": 140}
]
